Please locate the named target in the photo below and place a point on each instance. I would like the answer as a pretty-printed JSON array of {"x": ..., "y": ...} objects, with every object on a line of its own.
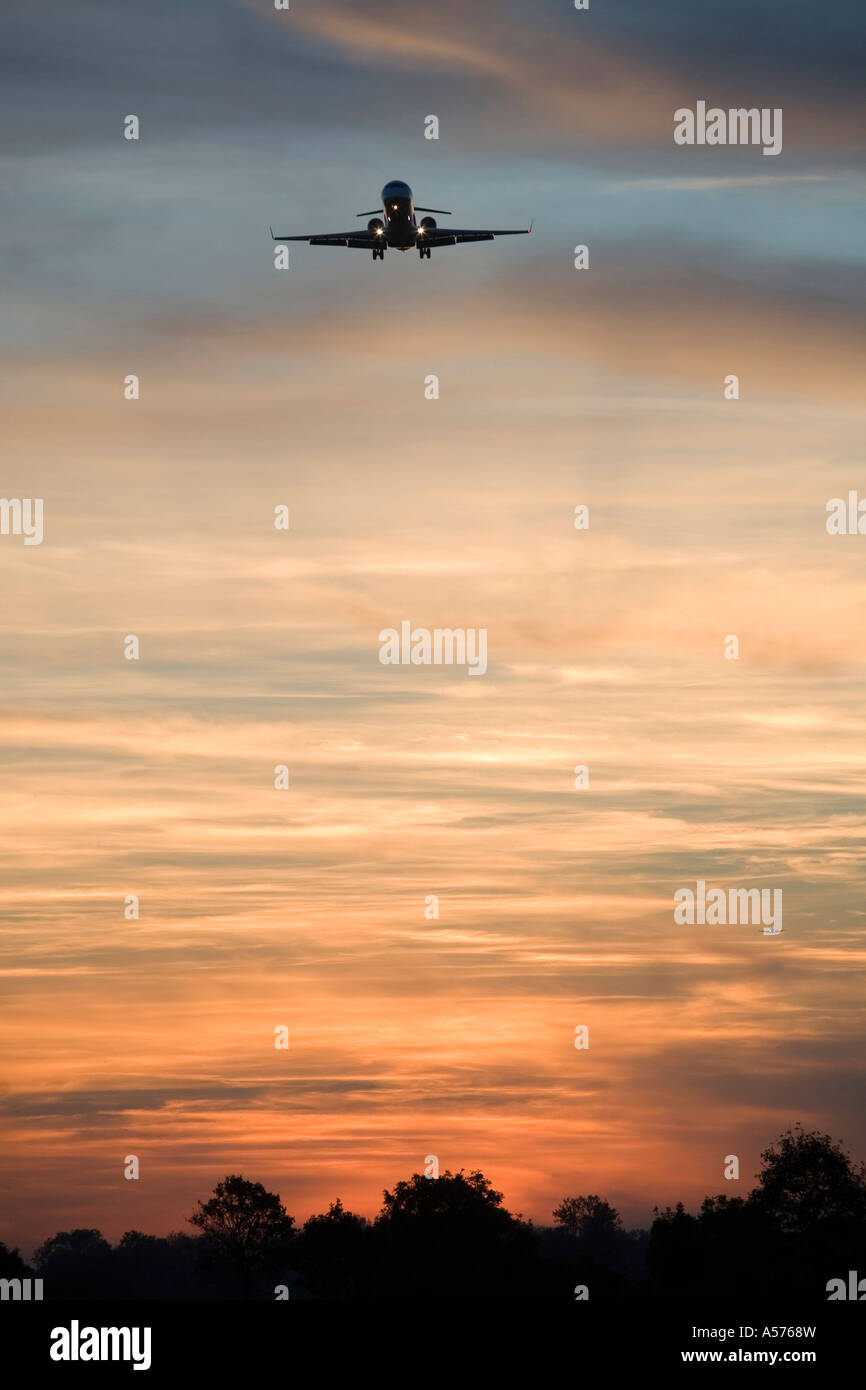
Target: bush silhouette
[
  {"x": 12, "y": 1266},
  {"x": 76, "y": 1264},
  {"x": 336, "y": 1254}
]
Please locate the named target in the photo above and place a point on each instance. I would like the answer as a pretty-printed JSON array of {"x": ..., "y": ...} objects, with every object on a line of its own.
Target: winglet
[
  {"x": 271, "y": 230},
  {"x": 531, "y": 225}
]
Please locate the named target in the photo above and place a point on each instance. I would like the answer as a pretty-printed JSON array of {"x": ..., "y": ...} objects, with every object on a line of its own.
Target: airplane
[{"x": 398, "y": 230}]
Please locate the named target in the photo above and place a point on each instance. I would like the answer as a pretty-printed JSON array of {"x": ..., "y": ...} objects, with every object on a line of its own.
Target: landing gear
[
  {"x": 378, "y": 253},
  {"x": 424, "y": 251}
]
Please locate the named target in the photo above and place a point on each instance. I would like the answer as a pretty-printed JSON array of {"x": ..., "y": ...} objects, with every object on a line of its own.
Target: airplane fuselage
[{"x": 398, "y": 208}]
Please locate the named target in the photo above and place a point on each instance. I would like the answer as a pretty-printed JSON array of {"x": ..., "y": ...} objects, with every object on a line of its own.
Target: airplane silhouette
[{"x": 398, "y": 229}]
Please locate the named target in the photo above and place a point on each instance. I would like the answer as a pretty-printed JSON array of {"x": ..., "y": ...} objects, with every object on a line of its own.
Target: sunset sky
[{"x": 259, "y": 647}]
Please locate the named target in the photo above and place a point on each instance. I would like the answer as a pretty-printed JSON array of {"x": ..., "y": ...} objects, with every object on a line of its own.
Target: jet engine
[
  {"x": 375, "y": 225},
  {"x": 428, "y": 223}
]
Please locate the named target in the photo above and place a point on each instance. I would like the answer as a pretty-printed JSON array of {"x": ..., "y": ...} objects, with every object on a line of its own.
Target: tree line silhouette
[{"x": 451, "y": 1238}]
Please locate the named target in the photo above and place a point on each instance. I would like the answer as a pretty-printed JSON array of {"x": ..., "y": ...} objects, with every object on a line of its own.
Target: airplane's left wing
[
  {"x": 450, "y": 236},
  {"x": 365, "y": 240}
]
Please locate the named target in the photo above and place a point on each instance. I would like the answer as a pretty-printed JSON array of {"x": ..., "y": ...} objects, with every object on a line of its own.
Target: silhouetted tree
[
  {"x": 815, "y": 1197},
  {"x": 246, "y": 1231},
  {"x": 451, "y": 1237},
  {"x": 586, "y": 1217},
  {"x": 335, "y": 1254},
  {"x": 162, "y": 1267},
  {"x": 12, "y": 1266},
  {"x": 808, "y": 1182},
  {"x": 741, "y": 1249},
  {"x": 803, "y": 1224},
  {"x": 76, "y": 1264},
  {"x": 591, "y": 1241},
  {"x": 675, "y": 1255}
]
